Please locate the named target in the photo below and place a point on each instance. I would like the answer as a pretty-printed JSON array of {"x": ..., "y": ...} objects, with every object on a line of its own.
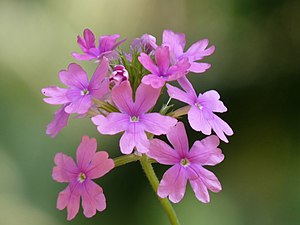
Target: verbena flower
[
  {"x": 106, "y": 47},
  {"x": 163, "y": 71},
  {"x": 186, "y": 164},
  {"x": 60, "y": 120},
  {"x": 133, "y": 117},
  {"x": 176, "y": 44},
  {"x": 78, "y": 96},
  {"x": 90, "y": 165},
  {"x": 201, "y": 114}
]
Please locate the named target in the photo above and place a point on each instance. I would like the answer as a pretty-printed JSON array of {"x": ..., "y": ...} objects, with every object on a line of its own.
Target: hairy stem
[
  {"x": 124, "y": 159},
  {"x": 148, "y": 169}
]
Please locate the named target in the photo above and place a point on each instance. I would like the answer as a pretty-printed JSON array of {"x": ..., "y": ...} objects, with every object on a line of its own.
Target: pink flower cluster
[{"x": 120, "y": 98}]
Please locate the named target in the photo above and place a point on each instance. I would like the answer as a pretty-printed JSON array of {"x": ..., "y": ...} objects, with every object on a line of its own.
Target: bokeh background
[{"x": 255, "y": 68}]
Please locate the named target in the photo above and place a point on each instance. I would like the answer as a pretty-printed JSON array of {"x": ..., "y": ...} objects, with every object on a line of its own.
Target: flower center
[
  {"x": 198, "y": 105},
  {"x": 134, "y": 119},
  {"x": 85, "y": 92},
  {"x": 81, "y": 177},
  {"x": 184, "y": 162}
]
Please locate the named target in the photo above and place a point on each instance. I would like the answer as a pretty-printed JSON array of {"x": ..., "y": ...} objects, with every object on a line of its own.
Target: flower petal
[
  {"x": 82, "y": 57},
  {"x": 147, "y": 62},
  {"x": 197, "y": 51},
  {"x": 173, "y": 184},
  {"x": 57, "y": 95},
  {"x": 198, "y": 120},
  {"x": 112, "y": 124},
  {"x": 220, "y": 127},
  {"x": 180, "y": 69},
  {"x": 122, "y": 97},
  {"x": 60, "y": 120},
  {"x": 206, "y": 180},
  {"x": 108, "y": 42},
  {"x": 162, "y": 152},
  {"x": 178, "y": 138},
  {"x": 162, "y": 58},
  {"x": 180, "y": 95},
  {"x": 93, "y": 198},
  {"x": 99, "y": 165},
  {"x": 206, "y": 151},
  {"x": 188, "y": 87},
  {"x": 85, "y": 152},
  {"x": 199, "y": 67},
  {"x": 145, "y": 98},
  {"x": 153, "y": 80},
  {"x": 80, "y": 106},
  {"x": 74, "y": 76},
  {"x": 156, "y": 123},
  {"x": 176, "y": 41},
  {"x": 210, "y": 100},
  {"x": 70, "y": 198},
  {"x": 99, "y": 74},
  {"x": 65, "y": 169}
]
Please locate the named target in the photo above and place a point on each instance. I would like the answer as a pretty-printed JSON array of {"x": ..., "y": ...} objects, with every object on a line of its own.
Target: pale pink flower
[
  {"x": 78, "y": 96},
  {"x": 201, "y": 114},
  {"x": 107, "y": 46},
  {"x": 176, "y": 44},
  {"x": 186, "y": 164},
  {"x": 90, "y": 165},
  {"x": 133, "y": 117},
  {"x": 162, "y": 71}
]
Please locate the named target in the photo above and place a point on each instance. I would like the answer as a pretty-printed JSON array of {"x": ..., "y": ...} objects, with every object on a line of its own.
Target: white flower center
[
  {"x": 85, "y": 92},
  {"x": 81, "y": 177},
  {"x": 198, "y": 105},
  {"x": 185, "y": 162},
  {"x": 134, "y": 119}
]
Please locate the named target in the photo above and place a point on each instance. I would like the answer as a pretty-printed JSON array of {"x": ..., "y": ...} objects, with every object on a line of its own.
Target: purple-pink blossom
[
  {"x": 90, "y": 165},
  {"x": 163, "y": 71},
  {"x": 146, "y": 43},
  {"x": 186, "y": 164},
  {"x": 133, "y": 117},
  {"x": 78, "y": 96},
  {"x": 201, "y": 114},
  {"x": 106, "y": 47},
  {"x": 176, "y": 44}
]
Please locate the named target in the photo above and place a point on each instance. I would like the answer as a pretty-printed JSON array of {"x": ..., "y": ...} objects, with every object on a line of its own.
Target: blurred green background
[{"x": 255, "y": 68}]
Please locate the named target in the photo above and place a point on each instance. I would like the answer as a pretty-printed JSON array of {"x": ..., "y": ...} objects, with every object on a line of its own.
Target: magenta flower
[
  {"x": 162, "y": 72},
  {"x": 187, "y": 165},
  {"x": 90, "y": 165},
  {"x": 107, "y": 45},
  {"x": 176, "y": 43},
  {"x": 118, "y": 75},
  {"x": 133, "y": 118},
  {"x": 201, "y": 114},
  {"x": 78, "y": 96}
]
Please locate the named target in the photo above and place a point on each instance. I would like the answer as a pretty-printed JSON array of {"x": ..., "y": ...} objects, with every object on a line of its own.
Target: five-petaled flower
[
  {"x": 107, "y": 45},
  {"x": 186, "y": 164},
  {"x": 90, "y": 165},
  {"x": 176, "y": 44},
  {"x": 163, "y": 71},
  {"x": 134, "y": 118},
  {"x": 201, "y": 114}
]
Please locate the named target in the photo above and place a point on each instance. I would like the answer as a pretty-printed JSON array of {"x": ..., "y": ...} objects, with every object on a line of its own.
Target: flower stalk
[{"x": 154, "y": 182}]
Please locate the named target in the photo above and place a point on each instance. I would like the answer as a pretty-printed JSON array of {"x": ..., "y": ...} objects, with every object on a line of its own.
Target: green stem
[
  {"x": 124, "y": 159},
  {"x": 148, "y": 169}
]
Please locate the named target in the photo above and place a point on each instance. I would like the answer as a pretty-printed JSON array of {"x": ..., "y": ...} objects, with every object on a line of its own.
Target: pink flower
[
  {"x": 187, "y": 165},
  {"x": 201, "y": 114},
  {"x": 90, "y": 165},
  {"x": 176, "y": 43},
  {"x": 107, "y": 45},
  {"x": 60, "y": 120},
  {"x": 133, "y": 118},
  {"x": 119, "y": 75},
  {"x": 78, "y": 96},
  {"x": 162, "y": 72},
  {"x": 146, "y": 43}
]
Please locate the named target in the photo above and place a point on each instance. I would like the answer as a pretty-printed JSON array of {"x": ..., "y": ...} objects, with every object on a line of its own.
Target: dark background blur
[{"x": 255, "y": 68}]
